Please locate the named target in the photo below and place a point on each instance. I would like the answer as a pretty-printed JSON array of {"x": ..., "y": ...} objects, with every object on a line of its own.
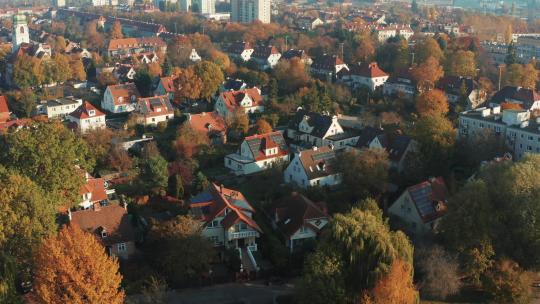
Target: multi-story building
[
  {"x": 247, "y": 11},
  {"x": 58, "y": 108},
  {"x": 126, "y": 47},
  {"x": 205, "y": 6},
  {"x": 520, "y": 132}
]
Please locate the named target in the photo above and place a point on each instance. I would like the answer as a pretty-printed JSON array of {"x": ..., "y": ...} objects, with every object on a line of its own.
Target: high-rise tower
[{"x": 20, "y": 32}]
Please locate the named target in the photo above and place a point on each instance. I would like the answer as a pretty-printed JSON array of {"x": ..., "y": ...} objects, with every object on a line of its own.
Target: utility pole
[{"x": 341, "y": 45}]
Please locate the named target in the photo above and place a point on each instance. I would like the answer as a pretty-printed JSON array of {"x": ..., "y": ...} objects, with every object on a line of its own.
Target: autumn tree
[
  {"x": 116, "y": 30},
  {"x": 77, "y": 70},
  {"x": 93, "y": 37},
  {"x": 506, "y": 282},
  {"x": 177, "y": 248},
  {"x": 436, "y": 138},
  {"x": 462, "y": 63},
  {"x": 396, "y": 287},
  {"x": 238, "y": 122},
  {"x": 354, "y": 254},
  {"x": 24, "y": 102},
  {"x": 51, "y": 163},
  {"x": 262, "y": 127},
  {"x": 72, "y": 267},
  {"x": 530, "y": 76},
  {"x": 426, "y": 48},
  {"x": 189, "y": 141},
  {"x": 364, "y": 172},
  {"x": 393, "y": 56},
  {"x": 211, "y": 77},
  {"x": 427, "y": 73},
  {"x": 27, "y": 71},
  {"x": 366, "y": 47},
  {"x": 432, "y": 103},
  {"x": 106, "y": 79},
  {"x": 154, "y": 69},
  {"x": 291, "y": 75},
  {"x": 187, "y": 85},
  {"x": 63, "y": 68},
  {"x": 27, "y": 215},
  {"x": 439, "y": 272}
]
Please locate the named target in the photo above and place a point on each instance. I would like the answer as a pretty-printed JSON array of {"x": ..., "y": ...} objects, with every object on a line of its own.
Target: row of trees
[{"x": 30, "y": 71}]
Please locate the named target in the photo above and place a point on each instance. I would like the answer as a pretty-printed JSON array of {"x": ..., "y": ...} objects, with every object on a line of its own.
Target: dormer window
[{"x": 92, "y": 112}]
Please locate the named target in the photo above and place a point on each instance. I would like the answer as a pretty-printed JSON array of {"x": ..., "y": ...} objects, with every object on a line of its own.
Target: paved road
[{"x": 233, "y": 293}]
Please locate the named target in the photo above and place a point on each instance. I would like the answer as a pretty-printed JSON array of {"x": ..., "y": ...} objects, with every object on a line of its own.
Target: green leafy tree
[
  {"x": 143, "y": 81},
  {"x": 8, "y": 279},
  {"x": 27, "y": 72},
  {"x": 211, "y": 77},
  {"x": 355, "y": 252},
  {"x": 427, "y": 48},
  {"x": 506, "y": 282},
  {"x": 462, "y": 63},
  {"x": 177, "y": 248},
  {"x": 49, "y": 154},
  {"x": 176, "y": 186},
  {"x": 153, "y": 172}
]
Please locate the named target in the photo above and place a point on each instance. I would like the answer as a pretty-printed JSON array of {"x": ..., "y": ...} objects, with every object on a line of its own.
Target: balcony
[{"x": 241, "y": 234}]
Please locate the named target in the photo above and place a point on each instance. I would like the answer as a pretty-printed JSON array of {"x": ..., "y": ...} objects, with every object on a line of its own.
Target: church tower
[{"x": 20, "y": 32}]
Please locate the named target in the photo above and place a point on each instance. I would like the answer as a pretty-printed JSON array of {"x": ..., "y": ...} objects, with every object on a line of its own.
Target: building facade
[{"x": 247, "y": 11}]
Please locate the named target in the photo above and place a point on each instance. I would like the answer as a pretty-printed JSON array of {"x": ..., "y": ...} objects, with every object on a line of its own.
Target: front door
[{"x": 241, "y": 243}]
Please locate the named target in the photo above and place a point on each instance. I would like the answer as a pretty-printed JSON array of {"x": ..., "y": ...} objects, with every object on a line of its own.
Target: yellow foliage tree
[
  {"x": 432, "y": 103},
  {"x": 396, "y": 287},
  {"x": 72, "y": 267}
]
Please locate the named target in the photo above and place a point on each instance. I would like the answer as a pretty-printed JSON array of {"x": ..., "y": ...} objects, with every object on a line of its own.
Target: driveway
[{"x": 233, "y": 293}]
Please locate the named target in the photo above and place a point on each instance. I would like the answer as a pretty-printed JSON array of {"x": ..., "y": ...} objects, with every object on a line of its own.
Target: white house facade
[{"x": 313, "y": 167}]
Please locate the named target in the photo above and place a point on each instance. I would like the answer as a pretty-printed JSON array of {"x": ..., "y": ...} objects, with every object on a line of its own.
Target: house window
[
  {"x": 121, "y": 247},
  {"x": 103, "y": 234},
  {"x": 303, "y": 229}
]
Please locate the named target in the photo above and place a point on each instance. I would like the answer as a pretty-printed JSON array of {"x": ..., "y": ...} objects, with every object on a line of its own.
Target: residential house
[
  {"x": 111, "y": 225},
  {"x": 420, "y": 207},
  {"x": 519, "y": 131},
  {"x": 155, "y": 109},
  {"x": 266, "y": 57},
  {"x": 147, "y": 58},
  {"x": 124, "y": 47},
  {"x": 458, "y": 89},
  {"x": 510, "y": 96},
  {"x": 393, "y": 30},
  {"x": 298, "y": 219},
  {"x": 92, "y": 192},
  {"x": 315, "y": 129},
  {"x": 309, "y": 23},
  {"x": 58, "y": 108},
  {"x": 5, "y": 114},
  {"x": 295, "y": 53},
  {"x": 397, "y": 145},
  {"x": 120, "y": 98},
  {"x": 227, "y": 220},
  {"x": 247, "y": 101},
  {"x": 124, "y": 72},
  {"x": 241, "y": 50},
  {"x": 165, "y": 86},
  {"x": 231, "y": 84},
  {"x": 365, "y": 74},
  {"x": 401, "y": 83},
  {"x": 313, "y": 167},
  {"x": 87, "y": 117},
  {"x": 194, "y": 56},
  {"x": 258, "y": 153},
  {"x": 211, "y": 124},
  {"x": 327, "y": 66}
]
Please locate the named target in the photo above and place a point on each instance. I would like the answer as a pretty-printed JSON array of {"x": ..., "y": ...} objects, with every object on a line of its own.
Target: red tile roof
[
  {"x": 232, "y": 99},
  {"x": 124, "y": 93},
  {"x": 207, "y": 122},
  {"x": 96, "y": 187},
  {"x": 4, "y": 109},
  {"x": 260, "y": 142},
  {"x": 126, "y": 43},
  {"x": 168, "y": 83},
  {"x": 83, "y": 111},
  {"x": 365, "y": 69},
  {"x": 294, "y": 211}
]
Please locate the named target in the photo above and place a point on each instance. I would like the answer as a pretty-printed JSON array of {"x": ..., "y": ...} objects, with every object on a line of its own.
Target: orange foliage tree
[
  {"x": 396, "y": 287},
  {"x": 262, "y": 127},
  {"x": 72, "y": 267},
  {"x": 427, "y": 73},
  {"x": 432, "y": 103}
]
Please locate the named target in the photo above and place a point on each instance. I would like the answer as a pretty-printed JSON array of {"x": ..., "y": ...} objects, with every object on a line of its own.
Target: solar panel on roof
[
  {"x": 323, "y": 156},
  {"x": 422, "y": 198},
  {"x": 155, "y": 102}
]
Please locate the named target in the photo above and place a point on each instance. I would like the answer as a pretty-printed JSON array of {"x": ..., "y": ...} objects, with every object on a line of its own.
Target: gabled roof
[
  {"x": 113, "y": 219},
  {"x": 207, "y": 122},
  {"x": 294, "y": 211},
  {"x": 126, "y": 43},
  {"x": 403, "y": 76},
  {"x": 232, "y": 99},
  {"x": 454, "y": 84},
  {"x": 233, "y": 84},
  {"x": 369, "y": 70},
  {"x": 263, "y": 52},
  {"x": 168, "y": 83},
  {"x": 96, "y": 187},
  {"x": 212, "y": 203},
  {"x": 83, "y": 111},
  {"x": 294, "y": 53},
  {"x": 260, "y": 142},
  {"x": 155, "y": 106},
  {"x": 320, "y": 122},
  {"x": 429, "y": 198},
  {"x": 128, "y": 92},
  {"x": 318, "y": 162},
  {"x": 239, "y": 47},
  {"x": 394, "y": 144},
  {"x": 327, "y": 62},
  {"x": 510, "y": 93}
]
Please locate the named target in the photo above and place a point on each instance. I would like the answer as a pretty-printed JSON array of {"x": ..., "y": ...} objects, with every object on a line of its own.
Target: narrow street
[{"x": 233, "y": 293}]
